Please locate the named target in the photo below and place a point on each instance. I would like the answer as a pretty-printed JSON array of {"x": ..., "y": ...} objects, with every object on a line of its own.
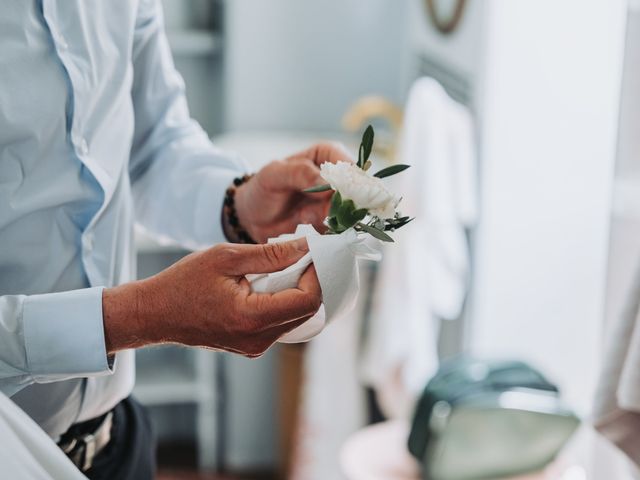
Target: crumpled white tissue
[{"x": 335, "y": 258}]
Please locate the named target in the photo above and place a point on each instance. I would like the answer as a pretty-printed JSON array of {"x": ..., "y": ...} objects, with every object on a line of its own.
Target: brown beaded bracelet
[{"x": 230, "y": 210}]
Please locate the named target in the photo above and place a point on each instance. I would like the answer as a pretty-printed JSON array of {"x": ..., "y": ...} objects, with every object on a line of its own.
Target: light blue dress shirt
[{"x": 94, "y": 133}]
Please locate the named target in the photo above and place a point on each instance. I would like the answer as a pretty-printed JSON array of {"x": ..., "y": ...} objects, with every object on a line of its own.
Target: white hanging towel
[
  {"x": 617, "y": 404},
  {"x": 424, "y": 276},
  {"x": 27, "y": 452}
]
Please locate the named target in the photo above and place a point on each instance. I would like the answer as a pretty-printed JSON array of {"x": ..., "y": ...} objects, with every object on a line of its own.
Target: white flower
[{"x": 365, "y": 190}]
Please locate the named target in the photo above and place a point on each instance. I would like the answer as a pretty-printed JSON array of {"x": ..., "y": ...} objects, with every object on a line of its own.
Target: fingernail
[{"x": 301, "y": 244}]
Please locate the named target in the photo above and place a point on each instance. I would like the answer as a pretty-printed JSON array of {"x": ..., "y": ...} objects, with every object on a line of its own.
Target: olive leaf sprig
[{"x": 345, "y": 214}]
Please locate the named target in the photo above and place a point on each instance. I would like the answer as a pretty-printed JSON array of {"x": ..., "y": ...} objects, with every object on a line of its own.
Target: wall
[
  {"x": 298, "y": 64},
  {"x": 548, "y": 131},
  {"x": 624, "y": 253},
  {"x": 629, "y": 144},
  {"x": 462, "y": 50}
]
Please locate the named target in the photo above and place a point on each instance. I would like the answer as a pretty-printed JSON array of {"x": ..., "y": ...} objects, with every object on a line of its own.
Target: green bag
[{"x": 488, "y": 419}]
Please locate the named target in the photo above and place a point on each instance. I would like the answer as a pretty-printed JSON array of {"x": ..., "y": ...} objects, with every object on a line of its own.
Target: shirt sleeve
[
  {"x": 178, "y": 176},
  {"x": 51, "y": 337}
]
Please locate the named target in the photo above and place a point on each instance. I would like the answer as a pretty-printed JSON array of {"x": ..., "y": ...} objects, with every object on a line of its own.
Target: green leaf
[
  {"x": 348, "y": 215},
  {"x": 366, "y": 145},
  {"x": 318, "y": 188},
  {"x": 334, "y": 226},
  {"x": 345, "y": 214},
  {"x": 392, "y": 170},
  {"x": 374, "y": 232},
  {"x": 397, "y": 223},
  {"x": 360, "y": 214},
  {"x": 361, "y": 160},
  {"x": 336, "y": 201}
]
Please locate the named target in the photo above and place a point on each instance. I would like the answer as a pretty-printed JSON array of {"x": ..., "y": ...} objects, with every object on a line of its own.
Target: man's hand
[
  {"x": 272, "y": 202},
  {"x": 204, "y": 300}
]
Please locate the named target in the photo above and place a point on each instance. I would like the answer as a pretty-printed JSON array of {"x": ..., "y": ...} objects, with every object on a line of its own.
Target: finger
[
  {"x": 299, "y": 175},
  {"x": 309, "y": 282},
  {"x": 288, "y": 305},
  {"x": 326, "y": 152},
  {"x": 265, "y": 258},
  {"x": 313, "y": 213},
  {"x": 281, "y": 330},
  {"x": 320, "y": 216},
  {"x": 272, "y": 335}
]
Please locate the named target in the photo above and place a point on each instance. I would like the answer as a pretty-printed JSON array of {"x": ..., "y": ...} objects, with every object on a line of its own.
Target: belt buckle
[
  {"x": 89, "y": 441},
  {"x": 83, "y": 450},
  {"x": 68, "y": 448}
]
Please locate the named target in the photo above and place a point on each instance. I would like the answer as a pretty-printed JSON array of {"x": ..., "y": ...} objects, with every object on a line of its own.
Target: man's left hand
[{"x": 273, "y": 201}]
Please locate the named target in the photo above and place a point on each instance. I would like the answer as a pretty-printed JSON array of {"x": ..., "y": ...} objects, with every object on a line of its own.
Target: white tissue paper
[{"x": 335, "y": 258}]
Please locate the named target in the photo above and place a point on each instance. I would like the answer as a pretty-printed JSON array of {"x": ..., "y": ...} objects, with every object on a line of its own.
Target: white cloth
[
  {"x": 27, "y": 452},
  {"x": 92, "y": 115},
  {"x": 335, "y": 258},
  {"x": 424, "y": 278},
  {"x": 617, "y": 405}
]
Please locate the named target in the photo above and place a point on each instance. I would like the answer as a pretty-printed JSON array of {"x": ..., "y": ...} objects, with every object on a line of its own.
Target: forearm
[
  {"x": 234, "y": 223},
  {"x": 130, "y": 317},
  {"x": 228, "y": 230},
  {"x": 178, "y": 177}
]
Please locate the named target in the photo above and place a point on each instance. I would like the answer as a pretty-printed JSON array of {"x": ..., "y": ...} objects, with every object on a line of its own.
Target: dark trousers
[{"x": 130, "y": 455}]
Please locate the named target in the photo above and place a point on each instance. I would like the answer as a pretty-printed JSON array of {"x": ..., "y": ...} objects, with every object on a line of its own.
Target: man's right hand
[{"x": 205, "y": 300}]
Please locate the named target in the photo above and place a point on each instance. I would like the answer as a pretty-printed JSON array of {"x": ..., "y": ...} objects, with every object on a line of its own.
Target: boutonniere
[{"x": 361, "y": 200}]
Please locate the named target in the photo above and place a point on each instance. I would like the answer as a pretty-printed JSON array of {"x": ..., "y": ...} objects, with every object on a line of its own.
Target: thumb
[
  {"x": 300, "y": 175},
  {"x": 269, "y": 257}
]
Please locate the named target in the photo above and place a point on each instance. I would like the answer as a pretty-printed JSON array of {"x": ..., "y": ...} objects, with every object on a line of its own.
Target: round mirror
[{"x": 445, "y": 14}]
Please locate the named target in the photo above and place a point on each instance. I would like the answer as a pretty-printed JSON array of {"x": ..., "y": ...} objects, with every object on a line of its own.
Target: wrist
[
  {"x": 235, "y": 213},
  {"x": 227, "y": 229},
  {"x": 124, "y": 317}
]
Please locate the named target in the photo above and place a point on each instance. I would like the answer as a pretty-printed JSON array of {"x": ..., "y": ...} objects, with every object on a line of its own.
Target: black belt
[{"x": 83, "y": 441}]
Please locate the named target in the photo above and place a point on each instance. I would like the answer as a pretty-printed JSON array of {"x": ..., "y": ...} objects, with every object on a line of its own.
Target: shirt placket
[{"x": 77, "y": 138}]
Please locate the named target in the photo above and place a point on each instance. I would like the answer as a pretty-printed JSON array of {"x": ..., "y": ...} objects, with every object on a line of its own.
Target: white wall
[
  {"x": 548, "y": 131},
  {"x": 298, "y": 64},
  {"x": 625, "y": 248}
]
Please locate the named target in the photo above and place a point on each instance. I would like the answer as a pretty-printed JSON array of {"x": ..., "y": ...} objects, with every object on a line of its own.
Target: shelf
[
  {"x": 171, "y": 385},
  {"x": 194, "y": 42},
  {"x": 169, "y": 392}
]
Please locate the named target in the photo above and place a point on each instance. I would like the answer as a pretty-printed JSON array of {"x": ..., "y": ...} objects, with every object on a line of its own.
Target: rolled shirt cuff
[{"x": 64, "y": 335}]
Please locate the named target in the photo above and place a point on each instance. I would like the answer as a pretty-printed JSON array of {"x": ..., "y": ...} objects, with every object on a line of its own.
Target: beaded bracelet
[{"x": 230, "y": 210}]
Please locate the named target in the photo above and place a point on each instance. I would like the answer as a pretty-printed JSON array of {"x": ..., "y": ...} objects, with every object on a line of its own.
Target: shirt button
[{"x": 84, "y": 147}]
